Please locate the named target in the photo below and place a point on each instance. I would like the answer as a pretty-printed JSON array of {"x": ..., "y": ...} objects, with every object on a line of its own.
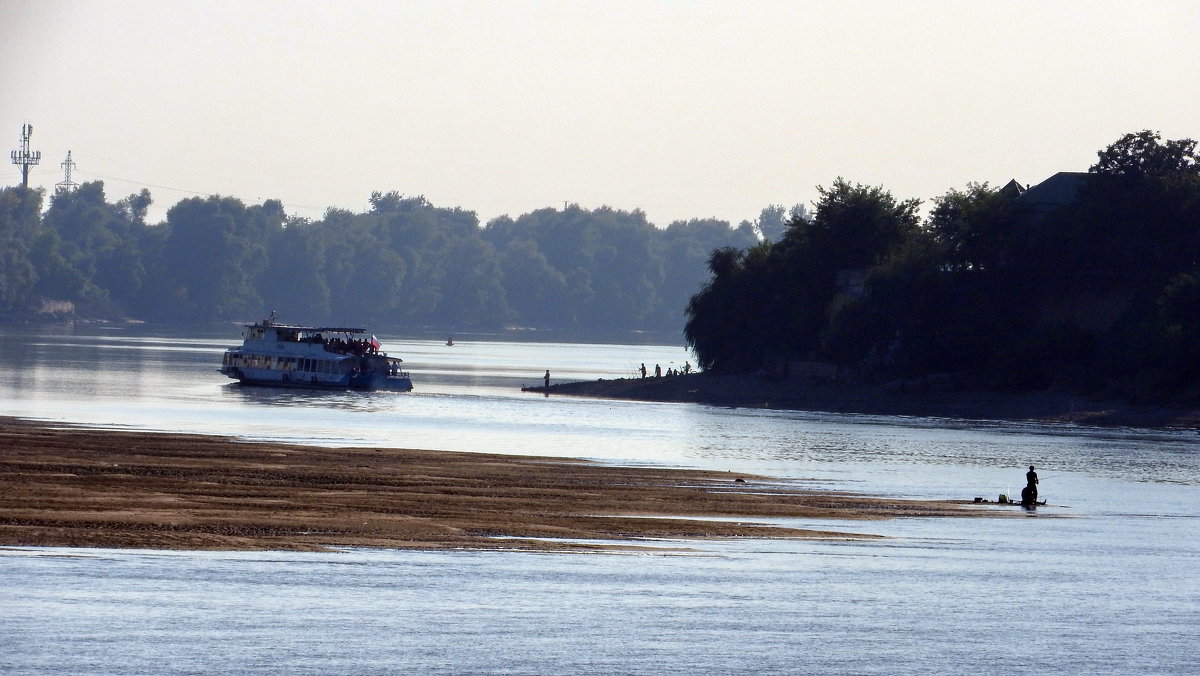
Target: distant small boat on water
[{"x": 323, "y": 357}]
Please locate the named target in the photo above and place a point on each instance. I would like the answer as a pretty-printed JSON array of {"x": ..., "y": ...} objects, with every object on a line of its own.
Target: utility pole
[
  {"x": 67, "y": 185},
  {"x": 24, "y": 157}
]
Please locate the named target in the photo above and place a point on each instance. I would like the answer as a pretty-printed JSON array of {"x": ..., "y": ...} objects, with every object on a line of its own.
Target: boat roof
[{"x": 313, "y": 329}]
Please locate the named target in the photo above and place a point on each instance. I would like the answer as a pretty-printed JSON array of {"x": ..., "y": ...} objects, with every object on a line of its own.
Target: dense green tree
[
  {"x": 294, "y": 281},
  {"x": 716, "y": 330},
  {"x": 19, "y": 227},
  {"x": 684, "y": 248},
  {"x": 403, "y": 263},
  {"x": 1096, "y": 292},
  {"x": 974, "y": 228},
  {"x": 60, "y": 280},
  {"x": 855, "y": 226},
  {"x": 1144, "y": 153},
  {"x": 1179, "y": 321},
  {"x": 778, "y": 298},
  {"x": 617, "y": 270},
  {"x": 213, "y": 254},
  {"x": 100, "y": 241},
  {"x": 536, "y": 291},
  {"x": 472, "y": 292},
  {"x": 364, "y": 276}
]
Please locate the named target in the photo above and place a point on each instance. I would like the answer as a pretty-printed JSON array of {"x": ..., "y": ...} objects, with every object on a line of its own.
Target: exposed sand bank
[
  {"x": 914, "y": 400},
  {"x": 89, "y": 488}
]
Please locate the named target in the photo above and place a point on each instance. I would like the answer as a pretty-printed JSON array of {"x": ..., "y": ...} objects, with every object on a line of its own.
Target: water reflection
[
  {"x": 347, "y": 400},
  {"x": 468, "y": 397},
  {"x": 1112, "y": 590}
]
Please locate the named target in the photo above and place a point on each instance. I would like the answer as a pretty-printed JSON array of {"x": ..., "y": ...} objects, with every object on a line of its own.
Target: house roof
[{"x": 1056, "y": 191}]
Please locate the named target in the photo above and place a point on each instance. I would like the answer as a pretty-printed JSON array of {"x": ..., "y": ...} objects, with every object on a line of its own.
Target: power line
[{"x": 184, "y": 190}]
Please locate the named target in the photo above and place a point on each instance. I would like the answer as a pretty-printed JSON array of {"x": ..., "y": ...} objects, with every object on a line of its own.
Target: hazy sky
[{"x": 682, "y": 109}]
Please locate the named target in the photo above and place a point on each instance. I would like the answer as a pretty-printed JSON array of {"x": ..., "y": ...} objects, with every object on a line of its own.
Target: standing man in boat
[
  {"x": 547, "y": 381},
  {"x": 1030, "y": 492}
]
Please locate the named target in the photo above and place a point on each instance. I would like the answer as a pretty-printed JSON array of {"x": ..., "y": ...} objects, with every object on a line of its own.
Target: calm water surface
[{"x": 1102, "y": 583}]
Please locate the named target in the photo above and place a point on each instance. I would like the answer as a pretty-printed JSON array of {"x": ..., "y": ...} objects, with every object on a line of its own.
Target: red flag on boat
[{"x": 374, "y": 342}]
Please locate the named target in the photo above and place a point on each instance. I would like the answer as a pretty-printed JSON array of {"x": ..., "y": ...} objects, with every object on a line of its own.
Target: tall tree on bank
[
  {"x": 1093, "y": 289},
  {"x": 19, "y": 226},
  {"x": 212, "y": 256},
  {"x": 779, "y": 296}
]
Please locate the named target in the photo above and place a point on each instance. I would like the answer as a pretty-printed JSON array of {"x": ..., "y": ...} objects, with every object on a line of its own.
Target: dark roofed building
[
  {"x": 1057, "y": 191},
  {"x": 1012, "y": 190}
]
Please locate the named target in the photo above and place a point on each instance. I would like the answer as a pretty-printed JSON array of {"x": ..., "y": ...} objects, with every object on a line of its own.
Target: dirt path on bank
[{"x": 65, "y": 486}]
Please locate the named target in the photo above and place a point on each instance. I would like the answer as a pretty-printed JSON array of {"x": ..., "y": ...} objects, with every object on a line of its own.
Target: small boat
[
  {"x": 1004, "y": 500},
  {"x": 324, "y": 357}
]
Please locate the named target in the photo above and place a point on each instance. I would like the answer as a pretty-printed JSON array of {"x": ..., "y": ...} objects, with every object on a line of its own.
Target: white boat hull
[{"x": 307, "y": 357}]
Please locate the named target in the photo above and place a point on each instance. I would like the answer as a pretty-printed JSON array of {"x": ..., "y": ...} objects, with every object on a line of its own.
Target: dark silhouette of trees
[
  {"x": 403, "y": 263},
  {"x": 19, "y": 226},
  {"x": 214, "y": 250},
  {"x": 784, "y": 293},
  {"x": 1088, "y": 282},
  {"x": 1145, "y": 154}
]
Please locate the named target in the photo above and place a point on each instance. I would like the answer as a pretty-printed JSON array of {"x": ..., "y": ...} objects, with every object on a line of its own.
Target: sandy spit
[{"x": 67, "y": 486}]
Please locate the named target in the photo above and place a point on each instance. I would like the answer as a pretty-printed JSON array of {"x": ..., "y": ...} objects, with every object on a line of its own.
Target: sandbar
[{"x": 62, "y": 485}]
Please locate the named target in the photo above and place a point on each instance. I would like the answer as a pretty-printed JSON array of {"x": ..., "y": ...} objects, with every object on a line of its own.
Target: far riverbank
[{"x": 752, "y": 391}]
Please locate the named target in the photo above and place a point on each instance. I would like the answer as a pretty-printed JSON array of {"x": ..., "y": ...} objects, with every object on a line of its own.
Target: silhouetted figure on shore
[
  {"x": 643, "y": 369},
  {"x": 657, "y": 371}
]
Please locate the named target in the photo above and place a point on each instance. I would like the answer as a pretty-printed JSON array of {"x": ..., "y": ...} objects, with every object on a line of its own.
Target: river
[{"x": 1102, "y": 581}]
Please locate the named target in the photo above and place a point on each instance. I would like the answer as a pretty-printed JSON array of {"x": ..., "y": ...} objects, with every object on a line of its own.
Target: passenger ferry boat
[{"x": 312, "y": 356}]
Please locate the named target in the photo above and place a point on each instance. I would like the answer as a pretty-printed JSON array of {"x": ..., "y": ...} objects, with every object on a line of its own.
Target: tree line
[
  {"x": 1087, "y": 282},
  {"x": 403, "y": 264}
]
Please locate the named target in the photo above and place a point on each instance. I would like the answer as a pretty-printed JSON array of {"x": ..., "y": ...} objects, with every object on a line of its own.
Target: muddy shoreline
[{"x": 68, "y": 486}]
